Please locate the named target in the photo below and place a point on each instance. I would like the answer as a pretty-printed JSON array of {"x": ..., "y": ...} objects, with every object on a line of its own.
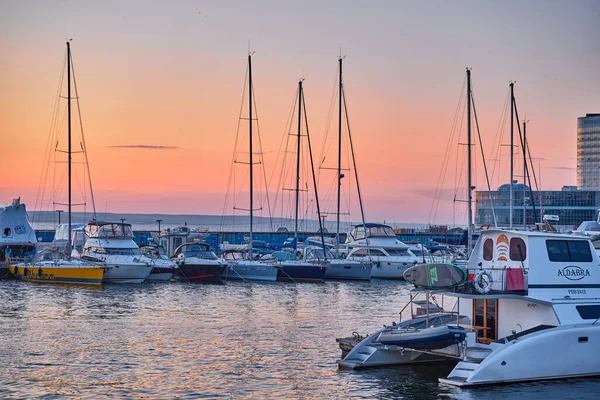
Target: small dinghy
[{"x": 423, "y": 339}]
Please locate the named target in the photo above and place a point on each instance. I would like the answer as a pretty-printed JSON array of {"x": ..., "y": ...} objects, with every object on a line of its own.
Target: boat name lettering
[
  {"x": 532, "y": 305},
  {"x": 20, "y": 229},
  {"x": 577, "y": 291},
  {"x": 573, "y": 272}
]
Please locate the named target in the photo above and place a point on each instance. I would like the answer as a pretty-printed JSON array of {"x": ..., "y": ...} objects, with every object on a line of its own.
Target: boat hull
[
  {"x": 296, "y": 272},
  {"x": 348, "y": 270},
  {"x": 127, "y": 273},
  {"x": 205, "y": 273},
  {"x": 251, "y": 271},
  {"x": 556, "y": 353},
  {"x": 389, "y": 270},
  {"x": 72, "y": 275},
  {"x": 160, "y": 275}
]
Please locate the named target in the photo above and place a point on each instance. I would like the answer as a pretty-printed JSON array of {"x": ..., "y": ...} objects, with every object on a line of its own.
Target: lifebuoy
[{"x": 483, "y": 282}]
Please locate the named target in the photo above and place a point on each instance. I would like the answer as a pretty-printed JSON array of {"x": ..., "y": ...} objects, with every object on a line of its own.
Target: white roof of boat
[{"x": 534, "y": 233}]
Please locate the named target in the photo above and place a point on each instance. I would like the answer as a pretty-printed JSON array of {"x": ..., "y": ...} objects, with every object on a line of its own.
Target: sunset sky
[{"x": 160, "y": 85}]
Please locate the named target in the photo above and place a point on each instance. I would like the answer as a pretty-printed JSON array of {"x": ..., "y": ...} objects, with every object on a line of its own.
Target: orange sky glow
[{"x": 172, "y": 75}]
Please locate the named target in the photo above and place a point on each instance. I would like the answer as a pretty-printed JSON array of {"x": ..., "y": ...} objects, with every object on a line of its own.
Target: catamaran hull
[
  {"x": 127, "y": 273},
  {"x": 556, "y": 353},
  {"x": 251, "y": 272},
  {"x": 344, "y": 270}
]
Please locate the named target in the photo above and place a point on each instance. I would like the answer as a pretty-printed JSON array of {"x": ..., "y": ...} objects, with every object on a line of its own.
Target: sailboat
[
  {"x": 339, "y": 267},
  {"x": 290, "y": 266},
  {"x": 246, "y": 268},
  {"x": 54, "y": 264}
]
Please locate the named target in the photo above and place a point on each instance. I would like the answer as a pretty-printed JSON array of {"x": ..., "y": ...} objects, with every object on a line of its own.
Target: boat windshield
[
  {"x": 196, "y": 250},
  {"x": 115, "y": 251},
  {"x": 590, "y": 226},
  {"x": 318, "y": 254},
  {"x": 397, "y": 252},
  {"x": 49, "y": 255},
  {"x": 378, "y": 231},
  {"x": 233, "y": 255},
  {"x": 121, "y": 231}
]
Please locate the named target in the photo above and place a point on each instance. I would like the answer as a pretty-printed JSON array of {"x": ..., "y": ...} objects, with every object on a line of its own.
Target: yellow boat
[{"x": 58, "y": 271}]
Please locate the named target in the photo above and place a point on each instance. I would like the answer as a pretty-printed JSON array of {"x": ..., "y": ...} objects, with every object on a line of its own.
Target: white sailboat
[{"x": 246, "y": 268}]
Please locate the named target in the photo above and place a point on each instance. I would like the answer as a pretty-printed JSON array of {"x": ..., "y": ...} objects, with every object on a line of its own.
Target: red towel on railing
[{"x": 515, "y": 279}]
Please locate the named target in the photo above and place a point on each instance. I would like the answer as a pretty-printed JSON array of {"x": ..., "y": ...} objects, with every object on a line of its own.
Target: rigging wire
[{"x": 446, "y": 159}]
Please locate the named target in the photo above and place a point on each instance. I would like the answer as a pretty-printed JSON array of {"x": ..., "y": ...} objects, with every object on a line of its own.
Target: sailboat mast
[
  {"x": 469, "y": 183},
  {"x": 339, "y": 166},
  {"x": 312, "y": 168},
  {"x": 512, "y": 143},
  {"x": 250, "y": 140},
  {"x": 69, "y": 137},
  {"x": 298, "y": 156},
  {"x": 524, "y": 172}
]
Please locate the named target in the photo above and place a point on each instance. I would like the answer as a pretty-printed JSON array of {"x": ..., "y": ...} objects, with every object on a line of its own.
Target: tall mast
[
  {"x": 339, "y": 166},
  {"x": 298, "y": 155},
  {"x": 312, "y": 167},
  {"x": 512, "y": 143},
  {"x": 250, "y": 140},
  {"x": 69, "y": 136},
  {"x": 469, "y": 184},
  {"x": 524, "y": 172}
]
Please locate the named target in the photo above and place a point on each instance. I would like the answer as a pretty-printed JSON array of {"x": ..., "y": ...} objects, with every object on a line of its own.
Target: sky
[{"x": 160, "y": 88}]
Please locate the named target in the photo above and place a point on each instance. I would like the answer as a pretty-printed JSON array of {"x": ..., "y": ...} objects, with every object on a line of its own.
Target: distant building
[
  {"x": 572, "y": 206},
  {"x": 588, "y": 152}
]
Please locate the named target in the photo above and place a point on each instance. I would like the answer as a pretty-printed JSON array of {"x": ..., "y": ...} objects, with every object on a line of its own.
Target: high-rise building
[{"x": 588, "y": 152}]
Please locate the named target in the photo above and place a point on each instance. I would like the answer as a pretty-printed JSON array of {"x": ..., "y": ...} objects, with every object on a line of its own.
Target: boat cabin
[
  {"x": 541, "y": 264},
  {"x": 109, "y": 230},
  {"x": 17, "y": 237},
  {"x": 370, "y": 230},
  {"x": 198, "y": 250}
]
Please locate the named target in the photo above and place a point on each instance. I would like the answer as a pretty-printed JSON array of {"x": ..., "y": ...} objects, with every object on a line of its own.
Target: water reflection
[{"x": 239, "y": 340}]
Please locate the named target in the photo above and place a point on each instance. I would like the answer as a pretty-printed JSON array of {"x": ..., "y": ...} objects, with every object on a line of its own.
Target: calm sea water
[{"x": 238, "y": 340}]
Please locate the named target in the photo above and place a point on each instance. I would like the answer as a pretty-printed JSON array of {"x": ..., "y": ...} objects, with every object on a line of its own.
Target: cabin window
[
  {"x": 569, "y": 250},
  {"x": 518, "y": 251},
  {"x": 6, "y": 232},
  {"x": 376, "y": 253},
  {"x": 488, "y": 249},
  {"x": 588, "y": 312},
  {"x": 579, "y": 251}
]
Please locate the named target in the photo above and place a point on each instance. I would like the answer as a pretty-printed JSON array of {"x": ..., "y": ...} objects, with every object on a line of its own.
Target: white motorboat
[
  {"x": 111, "y": 243},
  {"x": 530, "y": 310},
  {"x": 239, "y": 267},
  {"x": 338, "y": 269},
  {"x": 163, "y": 269},
  {"x": 378, "y": 243}
]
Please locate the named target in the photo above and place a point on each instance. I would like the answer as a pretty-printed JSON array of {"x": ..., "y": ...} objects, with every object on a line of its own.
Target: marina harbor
[{"x": 317, "y": 200}]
